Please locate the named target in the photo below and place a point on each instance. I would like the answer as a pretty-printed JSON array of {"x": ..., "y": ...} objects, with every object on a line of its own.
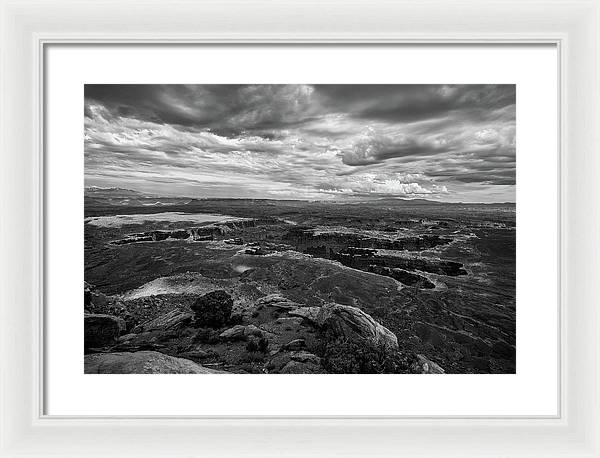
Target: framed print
[
  {"x": 301, "y": 195},
  {"x": 311, "y": 235},
  {"x": 328, "y": 230}
]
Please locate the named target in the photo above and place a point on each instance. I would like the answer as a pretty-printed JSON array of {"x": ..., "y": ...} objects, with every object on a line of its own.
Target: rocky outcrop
[
  {"x": 296, "y": 367},
  {"x": 208, "y": 232},
  {"x": 94, "y": 299},
  {"x": 349, "y": 323},
  {"x": 213, "y": 309},
  {"x": 101, "y": 330},
  {"x": 365, "y": 259},
  {"x": 326, "y": 244},
  {"x": 309, "y": 313},
  {"x": 241, "y": 332},
  {"x": 404, "y": 277},
  {"x": 424, "y": 365},
  {"x": 354, "y": 325},
  {"x": 170, "y": 321},
  {"x": 87, "y": 296},
  {"x": 96, "y": 302},
  {"x": 296, "y": 362},
  {"x": 142, "y": 362},
  {"x": 277, "y": 300},
  {"x": 296, "y": 344}
]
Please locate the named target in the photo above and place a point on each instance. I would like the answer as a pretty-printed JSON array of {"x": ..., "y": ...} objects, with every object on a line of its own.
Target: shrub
[
  {"x": 252, "y": 346},
  {"x": 213, "y": 309},
  {"x": 207, "y": 336},
  {"x": 250, "y": 368},
  {"x": 263, "y": 345},
  {"x": 257, "y": 345},
  {"x": 235, "y": 319},
  {"x": 341, "y": 356}
]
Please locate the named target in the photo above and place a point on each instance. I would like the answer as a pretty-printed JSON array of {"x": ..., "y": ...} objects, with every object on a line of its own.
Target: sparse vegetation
[
  {"x": 344, "y": 357},
  {"x": 252, "y": 346},
  {"x": 213, "y": 309},
  {"x": 207, "y": 336},
  {"x": 263, "y": 345},
  {"x": 257, "y": 345}
]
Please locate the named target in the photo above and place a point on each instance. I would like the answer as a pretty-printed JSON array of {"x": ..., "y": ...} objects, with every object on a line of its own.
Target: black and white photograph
[{"x": 299, "y": 229}]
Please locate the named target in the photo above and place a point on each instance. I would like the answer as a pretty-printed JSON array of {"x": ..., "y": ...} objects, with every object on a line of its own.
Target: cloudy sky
[{"x": 318, "y": 142}]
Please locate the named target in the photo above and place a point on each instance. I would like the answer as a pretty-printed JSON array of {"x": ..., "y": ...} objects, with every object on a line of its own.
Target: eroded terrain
[{"x": 313, "y": 287}]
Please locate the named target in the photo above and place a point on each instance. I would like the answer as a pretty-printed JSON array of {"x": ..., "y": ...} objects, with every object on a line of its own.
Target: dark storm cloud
[
  {"x": 226, "y": 109},
  {"x": 496, "y": 177},
  {"x": 277, "y": 106},
  {"x": 304, "y": 141},
  {"x": 373, "y": 149},
  {"x": 409, "y": 103}
]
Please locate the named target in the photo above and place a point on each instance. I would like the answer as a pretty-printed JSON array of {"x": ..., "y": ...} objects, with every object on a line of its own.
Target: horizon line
[{"x": 350, "y": 200}]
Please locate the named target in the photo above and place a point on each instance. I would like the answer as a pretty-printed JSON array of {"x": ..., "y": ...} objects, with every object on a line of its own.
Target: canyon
[{"x": 439, "y": 278}]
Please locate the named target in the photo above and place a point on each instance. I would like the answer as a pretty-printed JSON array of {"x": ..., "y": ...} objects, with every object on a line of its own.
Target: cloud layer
[{"x": 333, "y": 142}]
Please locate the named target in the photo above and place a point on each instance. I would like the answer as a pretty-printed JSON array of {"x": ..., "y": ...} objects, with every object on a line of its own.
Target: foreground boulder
[
  {"x": 101, "y": 330},
  {"x": 352, "y": 324},
  {"x": 142, "y": 362},
  {"x": 213, "y": 309}
]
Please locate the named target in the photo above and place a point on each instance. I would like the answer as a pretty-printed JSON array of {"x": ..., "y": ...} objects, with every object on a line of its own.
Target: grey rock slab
[{"x": 142, "y": 362}]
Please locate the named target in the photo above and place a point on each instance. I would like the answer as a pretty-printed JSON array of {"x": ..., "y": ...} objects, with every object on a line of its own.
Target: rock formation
[
  {"x": 353, "y": 324},
  {"x": 142, "y": 362},
  {"x": 101, "y": 330},
  {"x": 424, "y": 365},
  {"x": 242, "y": 332},
  {"x": 169, "y": 321}
]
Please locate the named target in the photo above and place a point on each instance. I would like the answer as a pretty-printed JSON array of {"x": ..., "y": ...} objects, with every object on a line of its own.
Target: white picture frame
[{"x": 28, "y": 26}]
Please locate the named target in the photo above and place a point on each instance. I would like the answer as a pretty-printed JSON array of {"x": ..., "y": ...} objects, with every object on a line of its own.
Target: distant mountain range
[
  {"x": 404, "y": 201},
  {"x": 378, "y": 202},
  {"x": 115, "y": 196},
  {"x": 97, "y": 196},
  {"x": 97, "y": 191}
]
